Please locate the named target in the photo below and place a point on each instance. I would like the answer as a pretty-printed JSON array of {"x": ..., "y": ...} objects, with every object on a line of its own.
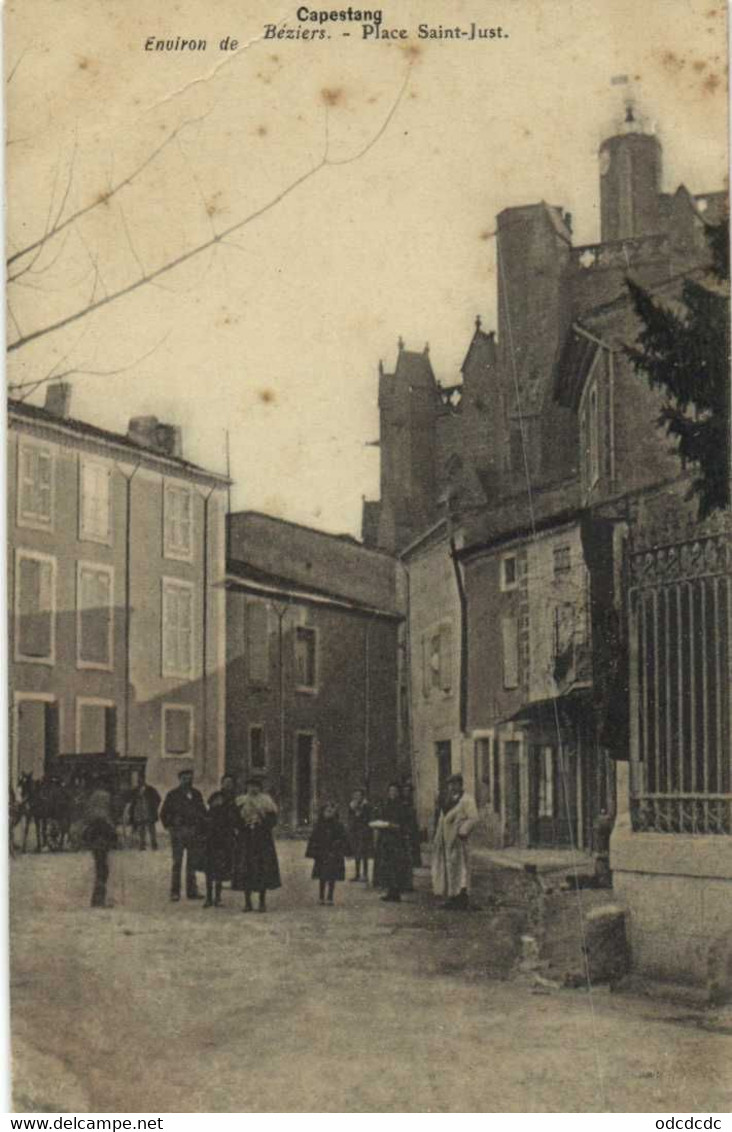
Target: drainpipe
[
  {"x": 204, "y": 628},
  {"x": 281, "y": 611},
  {"x": 463, "y": 631},
  {"x": 128, "y": 608},
  {"x": 367, "y": 703}
]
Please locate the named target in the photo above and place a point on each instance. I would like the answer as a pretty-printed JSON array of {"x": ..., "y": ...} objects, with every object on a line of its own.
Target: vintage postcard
[{"x": 369, "y": 556}]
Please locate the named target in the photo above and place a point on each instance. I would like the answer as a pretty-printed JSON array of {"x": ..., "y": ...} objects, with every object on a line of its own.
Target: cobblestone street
[{"x": 364, "y": 1007}]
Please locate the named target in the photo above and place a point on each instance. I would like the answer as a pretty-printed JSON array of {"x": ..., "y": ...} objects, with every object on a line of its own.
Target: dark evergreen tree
[{"x": 685, "y": 350}]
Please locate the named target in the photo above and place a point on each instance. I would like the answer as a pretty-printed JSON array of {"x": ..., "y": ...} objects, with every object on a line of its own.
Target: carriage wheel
[{"x": 54, "y": 837}]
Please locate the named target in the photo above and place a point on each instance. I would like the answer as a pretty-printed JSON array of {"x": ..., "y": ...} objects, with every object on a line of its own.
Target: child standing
[{"x": 327, "y": 849}]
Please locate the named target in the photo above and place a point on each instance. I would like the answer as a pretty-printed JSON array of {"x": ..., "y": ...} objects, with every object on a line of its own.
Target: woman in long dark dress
[
  {"x": 360, "y": 835},
  {"x": 327, "y": 849},
  {"x": 392, "y": 863},
  {"x": 222, "y": 821},
  {"x": 256, "y": 866}
]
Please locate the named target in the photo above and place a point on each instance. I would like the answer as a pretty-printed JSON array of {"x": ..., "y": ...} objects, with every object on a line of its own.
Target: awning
[{"x": 571, "y": 707}]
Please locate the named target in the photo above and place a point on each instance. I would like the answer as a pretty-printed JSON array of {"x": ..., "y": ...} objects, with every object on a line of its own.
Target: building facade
[
  {"x": 435, "y": 635},
  {"x": 313, "y": 669},
  {"x": 536, "y": 452},
  {"x": 117, "y": 614}
]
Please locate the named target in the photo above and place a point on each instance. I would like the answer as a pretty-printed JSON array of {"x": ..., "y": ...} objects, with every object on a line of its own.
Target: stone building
[
  {"x": 115, "y": 578},
  {"x": 545, "y": 423},
  {"x": 314, "y": 677}
]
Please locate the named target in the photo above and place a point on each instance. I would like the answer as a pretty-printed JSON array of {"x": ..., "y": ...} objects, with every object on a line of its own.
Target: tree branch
[
  {"x": 171, "y": 265},
  {"x": 103, "y": 198}
]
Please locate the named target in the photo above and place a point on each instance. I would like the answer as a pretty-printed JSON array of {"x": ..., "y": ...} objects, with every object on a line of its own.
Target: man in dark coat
[
  {"x": 144, "y": 807},
  {"x": 184, "y": 815},
  {"x": 256, "y": 868}
]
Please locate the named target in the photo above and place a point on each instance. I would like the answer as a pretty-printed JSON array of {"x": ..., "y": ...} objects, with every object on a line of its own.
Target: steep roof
[{"x": 482, "y": 348}]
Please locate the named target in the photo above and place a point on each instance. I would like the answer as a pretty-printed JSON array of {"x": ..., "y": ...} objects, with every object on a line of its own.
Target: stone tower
[{"x": 630, "y": 182}]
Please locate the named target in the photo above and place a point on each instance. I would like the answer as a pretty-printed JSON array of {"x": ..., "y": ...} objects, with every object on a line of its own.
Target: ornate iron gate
[{"x": 680, "y": 610}]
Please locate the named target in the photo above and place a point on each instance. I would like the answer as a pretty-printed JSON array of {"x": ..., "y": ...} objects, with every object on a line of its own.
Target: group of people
[
  {"x": 230, "y": 839},
  {"x": 388, "y": 835}
]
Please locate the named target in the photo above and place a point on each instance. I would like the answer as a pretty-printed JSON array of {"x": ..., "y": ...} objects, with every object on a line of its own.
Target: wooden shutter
[
  {"x": 426, "y": 664},
  {"x": 509, "y": 632},
  {"x": 446, "y": 657}
]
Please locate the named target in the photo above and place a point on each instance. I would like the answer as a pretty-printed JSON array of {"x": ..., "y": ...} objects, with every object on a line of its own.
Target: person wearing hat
[
  {"x": 256, "y": 868},
  {"x": 184, "y": 816},
  {"x": 450, "y": 852}
]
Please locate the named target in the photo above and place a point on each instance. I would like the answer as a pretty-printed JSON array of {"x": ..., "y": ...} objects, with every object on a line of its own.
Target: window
[
  {"x": 257, "y": 642},
  {"x": 257, "y": 749},
  {"x": 94, "y": 480},
  {"x": 437, "y": 659},
  {"x": 509, "y": 632},
  {"x": 96, "y": 727},
  {"x": 94, "y": 616},
  {"x": 177, "y": 731},
  {"x": 509, "y": 572},
  {"x": 305, "y": 668},
  {"x": 177, "y": 628},
  {"x": 562, "y": 560},
  {"x": 565, "y": 616},
  {"x": 178, "y": 522},
  {"x": 35, "y": 586},
  {"x": 35, "y": 485}
]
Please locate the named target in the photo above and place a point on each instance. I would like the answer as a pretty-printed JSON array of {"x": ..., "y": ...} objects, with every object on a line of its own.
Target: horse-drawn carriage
[{"x": 56, "y": 803}]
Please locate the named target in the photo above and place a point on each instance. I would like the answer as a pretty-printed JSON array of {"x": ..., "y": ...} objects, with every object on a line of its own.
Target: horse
[{"x": 47, "y": 804}]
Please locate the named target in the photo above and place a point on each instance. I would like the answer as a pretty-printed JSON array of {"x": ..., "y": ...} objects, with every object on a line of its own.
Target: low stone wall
[{"x": 677, "y": 890}]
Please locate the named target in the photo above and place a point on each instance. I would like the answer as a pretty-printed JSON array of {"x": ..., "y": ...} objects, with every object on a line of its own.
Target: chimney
[
  {"x": 58, "y": 399},
  {"x": 169, "y": 440},
  {"x": 151, "y": 433}
]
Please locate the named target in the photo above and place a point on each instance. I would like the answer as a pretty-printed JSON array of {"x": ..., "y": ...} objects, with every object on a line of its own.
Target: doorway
[
  {"x": 552, "y": 796},
  {"x": 304, "y": 778},
  {"x": 513, "y": 793},
  {"x": 37, "y": 735}
]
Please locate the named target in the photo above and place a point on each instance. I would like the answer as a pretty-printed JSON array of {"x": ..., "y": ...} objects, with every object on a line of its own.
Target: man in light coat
[{"x": 450, "y": 851}]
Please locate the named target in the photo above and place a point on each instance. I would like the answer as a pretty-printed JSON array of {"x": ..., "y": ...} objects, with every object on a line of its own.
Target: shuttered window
[
  {"x": 257, "y": 642},
  {"x": 177, "y": 628},
  {"x": 96, "y": 728},
  {"x": 178, "y": 522},
  {"x": 35, "y": 485},
  {"x": 94, "y": 510},
  {"x": 509, "y": 634},
  {"x": 177, "y": 730},
  {"x": 445, "y": 667},
  {"x": 305, "y": 657},
  {"x": 437, "y": 659},
  {"x": 94, "y": 616},
  {"x": 35, "y": 586}
]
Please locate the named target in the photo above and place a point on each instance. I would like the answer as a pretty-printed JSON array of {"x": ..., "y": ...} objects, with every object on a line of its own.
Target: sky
[{"x": 274, "y": 334}]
